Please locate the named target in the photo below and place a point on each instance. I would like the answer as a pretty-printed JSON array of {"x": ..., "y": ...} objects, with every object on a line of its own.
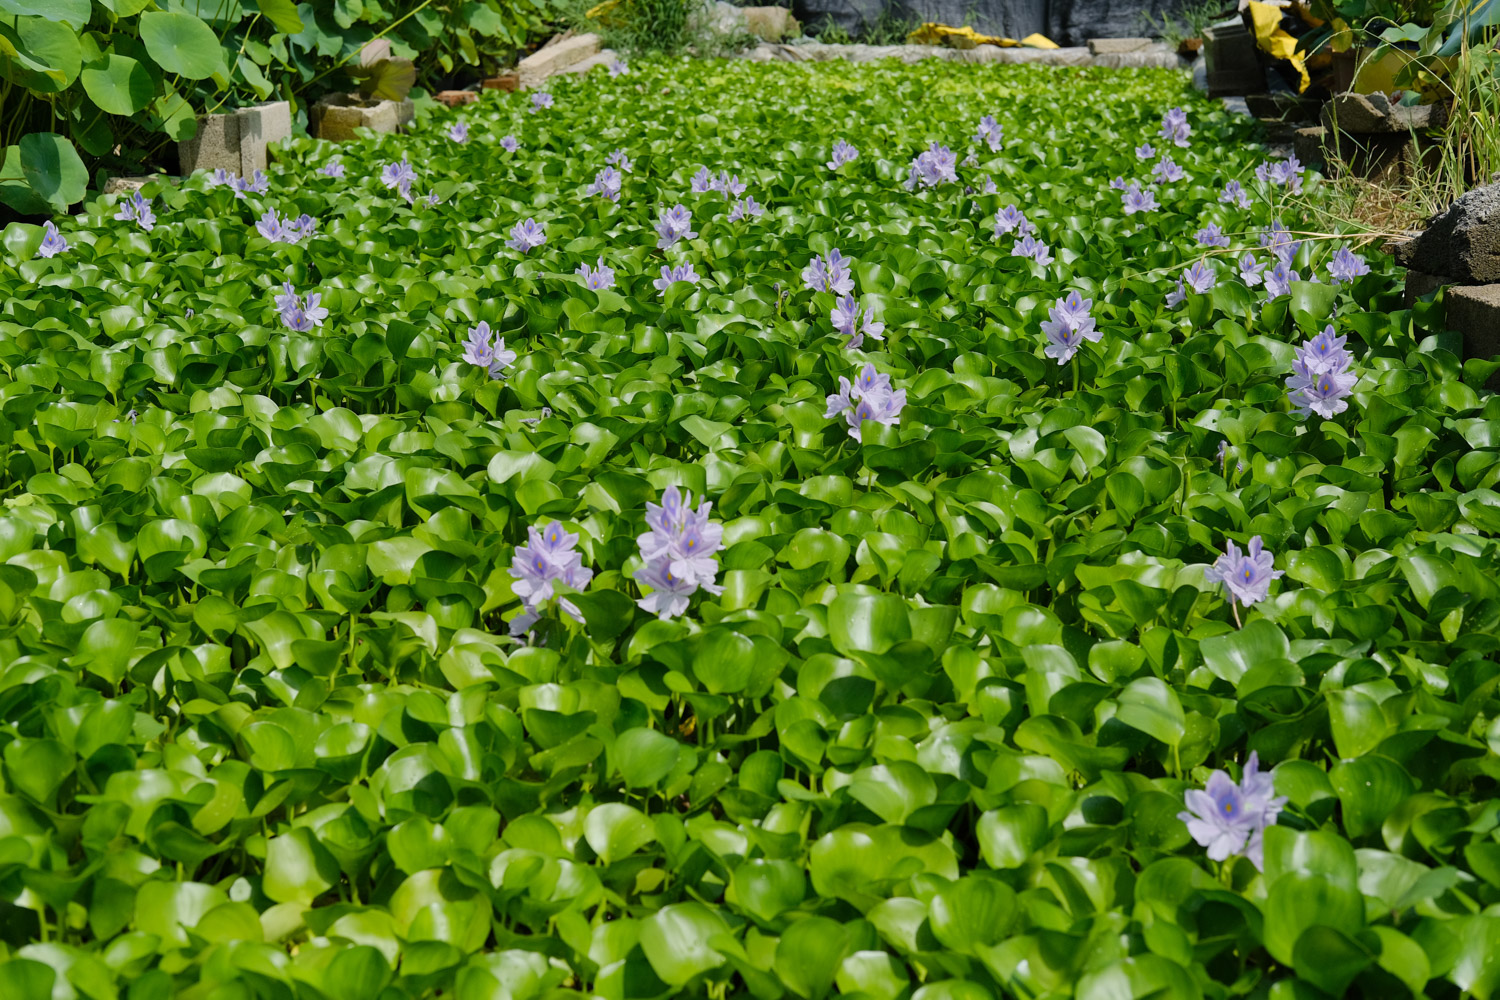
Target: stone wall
[{"x": 1066, "y": 22}]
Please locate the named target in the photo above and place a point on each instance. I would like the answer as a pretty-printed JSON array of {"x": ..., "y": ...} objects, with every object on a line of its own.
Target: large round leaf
[
  {"x": 119, "y": 84},
  {"x": 53, "y": 168},
  {"x": 182, "y": 44}
]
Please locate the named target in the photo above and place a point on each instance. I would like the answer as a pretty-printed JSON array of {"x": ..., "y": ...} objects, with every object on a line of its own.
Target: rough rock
[
  {"x": 455, "y": 98},
  {"x": 1474, "y": 311},
  {"x": 1419, "y": 284},
  {"x": 1114, "y": 46},
  {"x": 1374, "y": 114},
  {"x": 1159, "y": 57},
  {"x": 1308, "y": 144},
  {"x": 1074, "y": 22},
  {"x": 125, "y": 185},
  {"x": 336, "y": 116},
  {"x": 603, "y": 58},
  {"x": 507, "y": 82},
  {"x": 770, "y": 23},
  {"x": 1462, "y": 241},
  {"x": 552, "y": 59}
]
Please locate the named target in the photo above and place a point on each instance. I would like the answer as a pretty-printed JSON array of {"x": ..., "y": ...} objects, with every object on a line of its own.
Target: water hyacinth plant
[
  {"x": 678, "y": 553},
  {"x": 829, "y": 274},
  {"x": 915, "y": 709}
]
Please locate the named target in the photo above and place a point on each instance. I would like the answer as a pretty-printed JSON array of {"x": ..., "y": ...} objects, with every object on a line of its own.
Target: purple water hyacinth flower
[
  {"x": 509, "y": 143},
  {"x": 299, "y": 314},
  {"x": 333, "y": 168},
  {"x": 548, "y": 558},
  {"x": 459, "y": 132},
  {"x": 403, "y": 188},
  {"x": 746, "y": 208},
  {"x": 1250, "y": 269},
  {"x": 1137, "y": 200},
  {"x": 1234, "y": 194},
  {"x": 619, "y": 159},
  {"x": 937, "y": 165},
  {"x": 1030, "y": 246},
  {"x": 1118, "y": 184},
  {"x": 618, "y": 67},
  {"x": 1322, "y": 392},
  {"x": 1246, "y": 576},
  {"x": 1200, "y": 277},
  {"x": 1282, "y": 173},
  {"x": 669, "y": 592},
  {"x": 541, "y": 99},
  {"x": 597, "y": 278},
  {"x": 674, "y": 224},
  {"x": 1211, "y": 236},
  {"x": 1166, "y": 170},
  {"x": 527, "y": 236},
  {"x": 1321, "y": 380},
  {"x": 53, "y": 242},
  {"x": 395, "y": 173},
  {"x": 842, "y": 153},
  {"x": 1222, "y": 455},
  {"x": 846, "y": 320},
  {"x": 138, "y": 210},
  {"x": 607, "y": 184},
  {"x": 730, "y": 187},
  {"x": 1346, "y": 266},
  {"x": 1278, "y": 239},
  {"x": 1068, "y": 325},
  {"x": 1062, "y": 342},
  {"x": 1175, "y": 128},
  {"x": 220, "y": 177},
  {"x": 288, "y": 299},
  {"x": 1231, "y": 819},
  {"x": 1279, "y": 280},
  {"x": 685, "y": 538},
  {"x": 279, "y": 230},
  {"x": 868, "y": 397},
  {"x": 829, "y": 274},
  {"x": 482, "y": 353},
  {"x": 989, "y": 186},
  {"x": 479, "y": 351},
  {"x": 258, "y": 183},
  {"x": 432, "y": 199},
  {"x": 1145, "y": 151},
  {"x": 1011, "y": 219},
  {"x": 1326, "y": 352},
  {"x": 972, "y": 160},
  {"x": 1176, "y": 296},
  {"x": 672, "y": 275},
  {"x": 703, "y": 181},
  {"x": 990, "y": 133}
]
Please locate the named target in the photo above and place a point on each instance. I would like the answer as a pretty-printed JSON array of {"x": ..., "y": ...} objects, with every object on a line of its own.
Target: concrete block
[
  {"x": 1474, "y": 311},
  {"x": 262, "y": 126},
  {"x": 1115, "y": 46},
  {"x": 552, "y": 59},
  {"x": 1308, "y": 144},
  {"x": 1160, "y": 58},
  {"x": 507, "y": 81},
  {"x": 336, "y": 116},
  {"x": 374, "y": 51},
  {"x": 215, "y": 146}
]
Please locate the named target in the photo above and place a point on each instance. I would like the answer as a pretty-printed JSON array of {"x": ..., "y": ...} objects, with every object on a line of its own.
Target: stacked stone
[{"x": 1460, "y": 249}]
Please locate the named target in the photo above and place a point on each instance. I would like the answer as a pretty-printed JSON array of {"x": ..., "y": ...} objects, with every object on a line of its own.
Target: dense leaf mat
[{"x": 266, "y": 734}]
